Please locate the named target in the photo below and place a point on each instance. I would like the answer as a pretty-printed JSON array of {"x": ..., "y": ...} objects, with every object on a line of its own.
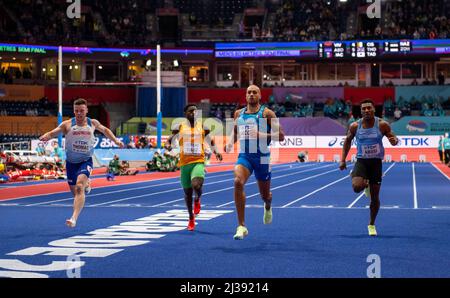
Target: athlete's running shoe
[
  {"x": 191, "y": 225},
  {"x": 197, "y": 206},
  {"x": 241, "y": 232},
  {"x": 367, "y": 191},
  {"x": 71, "y": 223},
  {"x": 267, "y": 215},
  {"x": 88, "y": 188},
  {"x": 372, "y": 230}
]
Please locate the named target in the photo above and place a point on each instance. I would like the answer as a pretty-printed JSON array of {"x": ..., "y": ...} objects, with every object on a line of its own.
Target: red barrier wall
[
  {"x": 235, "y": 95},
  {"x": 94, "y": 95},
  {"x": 377, "y": 94}
]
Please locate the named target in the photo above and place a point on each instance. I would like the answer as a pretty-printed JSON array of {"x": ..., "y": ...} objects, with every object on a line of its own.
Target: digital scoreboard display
[
  {"x": 363, "y": 49},
  {"x": 330, "y": 49},
  {"x": 401, "y": 46}
]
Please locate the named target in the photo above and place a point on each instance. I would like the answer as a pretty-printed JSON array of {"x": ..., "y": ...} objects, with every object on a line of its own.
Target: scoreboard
[
  {"x": 331, "y": 49},
  {"x": 402, "y": 46},
  {"x": 364, "y": 49}
]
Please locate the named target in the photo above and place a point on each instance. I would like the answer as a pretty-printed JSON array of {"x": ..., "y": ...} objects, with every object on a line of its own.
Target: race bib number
[
  {"x": 371, "y": 151},
  {"x": 248, "y": 132},
  {"x": 192, "y": 149},
  {"x": 80, "y": 146}
]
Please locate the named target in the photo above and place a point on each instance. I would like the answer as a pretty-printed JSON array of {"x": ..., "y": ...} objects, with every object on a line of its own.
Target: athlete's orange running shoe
[
  {"x": 197, "y": 207},
  {"x": 191, "y": 225}
]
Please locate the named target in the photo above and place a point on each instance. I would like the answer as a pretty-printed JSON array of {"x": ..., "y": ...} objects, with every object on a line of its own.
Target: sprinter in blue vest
[
  {"x": 255, "y": 126},
  {"x": 369, "y": 132},
  {"x": 80, "y": 140}
]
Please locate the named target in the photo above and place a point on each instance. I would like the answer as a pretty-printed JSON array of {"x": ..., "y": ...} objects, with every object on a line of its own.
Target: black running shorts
[{"x": 369, "y": 168}]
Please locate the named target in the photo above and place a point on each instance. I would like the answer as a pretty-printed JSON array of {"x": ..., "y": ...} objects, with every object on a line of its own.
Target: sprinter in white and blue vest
[
  {"x": 367, "y": 172},
  {"x": 255, "y": 126},
  {"x": 80, "y": 141}
]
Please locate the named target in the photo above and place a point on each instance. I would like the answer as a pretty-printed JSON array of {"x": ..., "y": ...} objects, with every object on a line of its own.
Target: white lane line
[
  {"x": 177, "y": 189},
  {"x": 128, "y": 189},
  {"x": 285, "y": 185},
  {"x": 315, "y": 191},
  {"x": 414, "y": 187},
  {"x": 359, "y": 197},
  {"x": 231, "y": 187}
]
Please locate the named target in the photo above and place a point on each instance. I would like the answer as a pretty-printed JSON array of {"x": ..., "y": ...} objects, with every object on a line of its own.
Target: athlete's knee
[
  {"x": 238, "y": 182},
  {"x": 358, "y": 187},
  {"x": 197, "y": 185},
  {"x": 79, "y": 187}
]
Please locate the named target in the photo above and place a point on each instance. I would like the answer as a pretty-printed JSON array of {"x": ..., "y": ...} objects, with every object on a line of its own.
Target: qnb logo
[
  {"x": 374, "y": 9},
  {"x": 74, "y": 10}
]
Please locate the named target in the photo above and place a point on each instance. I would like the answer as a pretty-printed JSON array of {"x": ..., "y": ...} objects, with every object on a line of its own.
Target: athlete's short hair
[
  {"x": 368, "y": 100},
  {"x": 188, "y": 106},
  {"x": 79, "y": 102}
]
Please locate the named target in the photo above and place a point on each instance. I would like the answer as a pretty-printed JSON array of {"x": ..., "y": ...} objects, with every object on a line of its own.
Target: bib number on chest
[
  {"x": 80, "y": 146},
  {"x": 371, "y": 151},
  {"x": 192, "y": 149},
  {"x": 248, "y": 132}
]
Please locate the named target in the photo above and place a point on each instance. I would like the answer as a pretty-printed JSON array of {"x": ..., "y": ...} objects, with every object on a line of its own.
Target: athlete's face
[
  {"x": 367, "y": 111},
  {"x": 191, "y": 112},
  {"x": 253, "y": 95},
  {"x": 80, "y": 112}
]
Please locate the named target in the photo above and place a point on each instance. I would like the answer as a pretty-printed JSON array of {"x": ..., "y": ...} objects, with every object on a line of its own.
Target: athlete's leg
[
  {"x": 197, "y": 184},
  {"x": 266, "y": 195},
  {"x": 374, "y": 202},
  {"x": 359, "y": 184},
  {"x": 188, "y": 192},
  {"x": 197, "y": 178},
  {"x": 188, "y": 199},
  {"x": 264, "y": 190},
  {"x": 79, "y": 198},
  {"x": 359, "y": 176},
  {"x": 241, "y": 175}
]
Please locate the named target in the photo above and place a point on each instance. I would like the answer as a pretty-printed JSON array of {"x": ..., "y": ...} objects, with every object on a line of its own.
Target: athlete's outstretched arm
[
  {"x": 107, "y": 132},
  {"x": 276, "y": 131},
  {"x": 387, "y": 131},
  {"x": 62, "y": 128},
  {"x": 348, "y": 144}
]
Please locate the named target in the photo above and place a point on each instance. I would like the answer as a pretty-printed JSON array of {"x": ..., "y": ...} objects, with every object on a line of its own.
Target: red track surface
[
  {"x": 444, "y": 168},
  {"x": 23, "y": 191}
]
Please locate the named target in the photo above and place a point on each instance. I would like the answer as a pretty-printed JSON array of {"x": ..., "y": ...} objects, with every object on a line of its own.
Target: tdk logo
[{"x": 415, "y": 141}]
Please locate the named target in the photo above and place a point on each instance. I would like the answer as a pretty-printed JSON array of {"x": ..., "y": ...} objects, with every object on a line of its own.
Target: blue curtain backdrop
[{"x": 173, "y": 101}]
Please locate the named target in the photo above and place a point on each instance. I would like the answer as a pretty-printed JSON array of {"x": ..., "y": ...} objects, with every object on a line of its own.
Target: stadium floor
[{"x": 138, "y": 229}]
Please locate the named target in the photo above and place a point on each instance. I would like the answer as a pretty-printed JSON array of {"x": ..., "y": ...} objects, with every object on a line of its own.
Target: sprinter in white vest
[{"x": 80, "y": 141}]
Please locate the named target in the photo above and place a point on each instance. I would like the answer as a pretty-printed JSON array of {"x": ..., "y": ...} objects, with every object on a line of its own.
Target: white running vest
[{"x": 80, "y": 142}]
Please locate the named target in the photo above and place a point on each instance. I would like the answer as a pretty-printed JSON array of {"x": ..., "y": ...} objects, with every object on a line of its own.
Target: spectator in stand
[{"x": 397, "y": 114}]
